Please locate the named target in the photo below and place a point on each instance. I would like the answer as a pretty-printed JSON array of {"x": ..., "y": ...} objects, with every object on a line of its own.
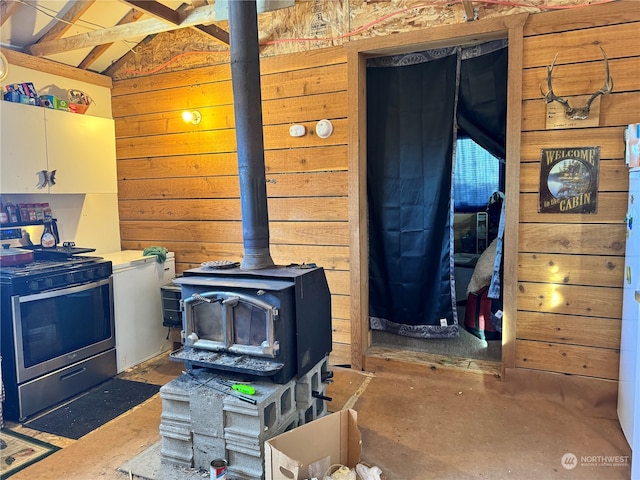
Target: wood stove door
[{"x": 231, "y": 322}]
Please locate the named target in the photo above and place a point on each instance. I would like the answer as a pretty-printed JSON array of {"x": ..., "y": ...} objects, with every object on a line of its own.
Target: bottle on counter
[
  {"x": 12, "y": 212},
  {"x": 48, "y": 238},
  {"x": 4, "y": 218}
]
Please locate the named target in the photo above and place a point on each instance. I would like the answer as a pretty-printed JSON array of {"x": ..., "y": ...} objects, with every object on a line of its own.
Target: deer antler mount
[{"x": 577, "y": 113}]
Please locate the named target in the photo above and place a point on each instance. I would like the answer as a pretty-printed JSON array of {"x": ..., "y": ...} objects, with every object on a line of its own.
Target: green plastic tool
[{"x": 245, "y": 389}]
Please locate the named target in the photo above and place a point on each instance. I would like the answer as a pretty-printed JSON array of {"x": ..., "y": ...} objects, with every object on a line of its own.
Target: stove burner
[
  {"x": 45, "y": 274},
  {"x": 44, "y": 266}
]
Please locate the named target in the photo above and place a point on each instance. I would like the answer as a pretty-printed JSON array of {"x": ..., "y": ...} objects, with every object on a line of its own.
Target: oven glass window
[
  {"x": 249, "y": 324},
  {"x": 57, "y": 326}
]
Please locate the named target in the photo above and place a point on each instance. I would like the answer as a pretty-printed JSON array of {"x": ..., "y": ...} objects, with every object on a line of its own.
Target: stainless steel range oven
[{"x": 57, "y": 331}]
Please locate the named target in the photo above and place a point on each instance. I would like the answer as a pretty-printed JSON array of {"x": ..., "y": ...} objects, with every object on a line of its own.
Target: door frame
[{"x": 510, "y": 27}]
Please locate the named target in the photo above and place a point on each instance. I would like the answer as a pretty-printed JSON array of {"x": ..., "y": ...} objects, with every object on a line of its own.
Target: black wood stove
[{"x": 273, "y": 322}]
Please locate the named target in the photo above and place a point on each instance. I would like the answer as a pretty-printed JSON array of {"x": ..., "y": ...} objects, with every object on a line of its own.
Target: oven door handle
[{"x": 65, "y": 291}]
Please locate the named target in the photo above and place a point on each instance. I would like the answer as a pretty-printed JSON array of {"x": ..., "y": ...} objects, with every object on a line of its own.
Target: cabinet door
[
  {"x": 82, "y": 150},
  {"x": 23, "y": 150}
]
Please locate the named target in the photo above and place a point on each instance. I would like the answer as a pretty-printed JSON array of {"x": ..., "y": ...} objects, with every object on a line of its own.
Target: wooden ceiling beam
[
  {"x": 468, "y": 10},
  {"x": 156, "y": 9},
  {"x": 67, "y": 20},
  {"x": 198, "y": 16},
  {"x": 162, "y": 12},
  {"x": 55, "y": 68},
  {"x": 214, "y": 31},
  {"x": 8, "y": 8},
  {"x": 132, "y": 15}
]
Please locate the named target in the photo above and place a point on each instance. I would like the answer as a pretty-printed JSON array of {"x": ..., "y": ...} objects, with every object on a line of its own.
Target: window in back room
[{"x": 478, "y": 175}]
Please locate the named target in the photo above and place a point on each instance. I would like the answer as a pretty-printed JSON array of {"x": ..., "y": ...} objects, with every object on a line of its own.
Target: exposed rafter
[
  {"x": 7, "y": 8},
  {"x": 156, "y": 9},
  {"x": 131, "y": 16},
  {"x": 162, "y": 12},
  {"x": 192, "y": 18},
  {"x": 67, "y": 20},
  {"x": 469, "y": 11}
]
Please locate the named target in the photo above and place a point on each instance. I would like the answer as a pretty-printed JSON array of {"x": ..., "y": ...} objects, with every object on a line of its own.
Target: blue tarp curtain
[{"x": 414, "y": 106}]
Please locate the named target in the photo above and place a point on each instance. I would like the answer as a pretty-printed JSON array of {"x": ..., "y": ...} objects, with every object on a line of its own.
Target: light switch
[{"x": 297, "y": 130}]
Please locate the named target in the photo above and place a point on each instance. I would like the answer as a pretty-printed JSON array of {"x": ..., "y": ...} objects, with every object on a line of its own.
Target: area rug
[
  {"x": 18, "y": 451},
  {"x": 97, "y": 407}
]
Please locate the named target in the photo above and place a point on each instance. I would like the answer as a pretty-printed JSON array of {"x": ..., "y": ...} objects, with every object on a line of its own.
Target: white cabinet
[
  {"x": 137, "y": 297},
  {"x": 80, "y": 148},
  {"x": 23, "y": 149}
]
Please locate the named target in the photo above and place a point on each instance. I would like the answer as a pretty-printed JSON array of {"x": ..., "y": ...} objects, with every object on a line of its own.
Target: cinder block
[
  {"x": 178, "y": 432},
  {"x": 274, "y": 404},
  {"x": 246, "y": 456},
  {"x": 206, "y": 410},
  {"x": 245, "y": 460},
  {"x": 176, "y": 411},
  {"x": 178, "y": 388},
  {"x": 311, "y": 400},
  {"x": 314, "y": 411},
  {"x": 175, "y": 398},
  {"x": 237, "y": 474},
  {"x": 176, "y": 451},
  {"x": 310, "y": 382},
  {"x": 207, "y": 448},
  {"x": 202, "y": 420}
]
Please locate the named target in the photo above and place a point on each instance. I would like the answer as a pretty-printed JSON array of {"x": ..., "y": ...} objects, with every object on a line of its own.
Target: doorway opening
[
  {"x": 433, "y": 117},
  {"x": 362, "y": 345}
]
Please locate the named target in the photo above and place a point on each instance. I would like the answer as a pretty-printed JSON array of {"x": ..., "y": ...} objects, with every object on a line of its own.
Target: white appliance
[
  {"x": 629, "y": 380},
  {"x": 137, "y": 280}
]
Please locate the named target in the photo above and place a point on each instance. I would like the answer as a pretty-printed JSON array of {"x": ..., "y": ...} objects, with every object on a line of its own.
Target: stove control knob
[
  {"x": 89, "y": 274},
  {"x": 48, "y": 282},
  {"x": 33, "y": 285},
  {"x": 69, "y": 278}
]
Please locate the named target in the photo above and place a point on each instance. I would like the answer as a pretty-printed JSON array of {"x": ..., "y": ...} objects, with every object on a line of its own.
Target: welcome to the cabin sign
[{"x": 569, "y": 180}]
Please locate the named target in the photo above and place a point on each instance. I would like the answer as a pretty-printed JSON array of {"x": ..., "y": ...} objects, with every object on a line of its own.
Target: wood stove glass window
[
  {"x": 249, "y": 325},
  {"x": 234, "y": 322},
  {"x": 209, "y": 321}
]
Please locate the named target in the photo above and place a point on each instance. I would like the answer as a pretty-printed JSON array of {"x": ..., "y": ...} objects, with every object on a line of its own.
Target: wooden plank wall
[
  {"x": 571, "y": 266},
  {"x": 178, "y": 184}
]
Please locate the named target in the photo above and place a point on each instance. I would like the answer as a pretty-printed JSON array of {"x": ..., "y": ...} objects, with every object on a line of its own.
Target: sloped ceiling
[{"x": 94, "y": 34}]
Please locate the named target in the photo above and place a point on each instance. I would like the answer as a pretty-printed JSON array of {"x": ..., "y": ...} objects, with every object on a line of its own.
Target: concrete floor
[{"x": 430, "y": 424}]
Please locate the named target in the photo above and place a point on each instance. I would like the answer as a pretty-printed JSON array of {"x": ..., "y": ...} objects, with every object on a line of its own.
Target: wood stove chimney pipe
[{"x": 247, "y": 101}]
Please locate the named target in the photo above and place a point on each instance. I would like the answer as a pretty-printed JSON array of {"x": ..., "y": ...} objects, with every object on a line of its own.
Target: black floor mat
[{"x": 100, "y": 405}]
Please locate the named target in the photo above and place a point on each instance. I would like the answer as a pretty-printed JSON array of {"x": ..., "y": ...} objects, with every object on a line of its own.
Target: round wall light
[{"x": 193, "y": 116}]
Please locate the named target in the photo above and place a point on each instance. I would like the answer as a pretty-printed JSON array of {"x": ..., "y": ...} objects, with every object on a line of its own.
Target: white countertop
[{"x": 125, "y": 257}]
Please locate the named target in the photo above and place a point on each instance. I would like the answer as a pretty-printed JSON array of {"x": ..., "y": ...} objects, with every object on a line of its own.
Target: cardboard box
[
  {"x": 335, "y": 437},
  {"x": 61, "y": 104},
  {"x": 48, "y": 101}
]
